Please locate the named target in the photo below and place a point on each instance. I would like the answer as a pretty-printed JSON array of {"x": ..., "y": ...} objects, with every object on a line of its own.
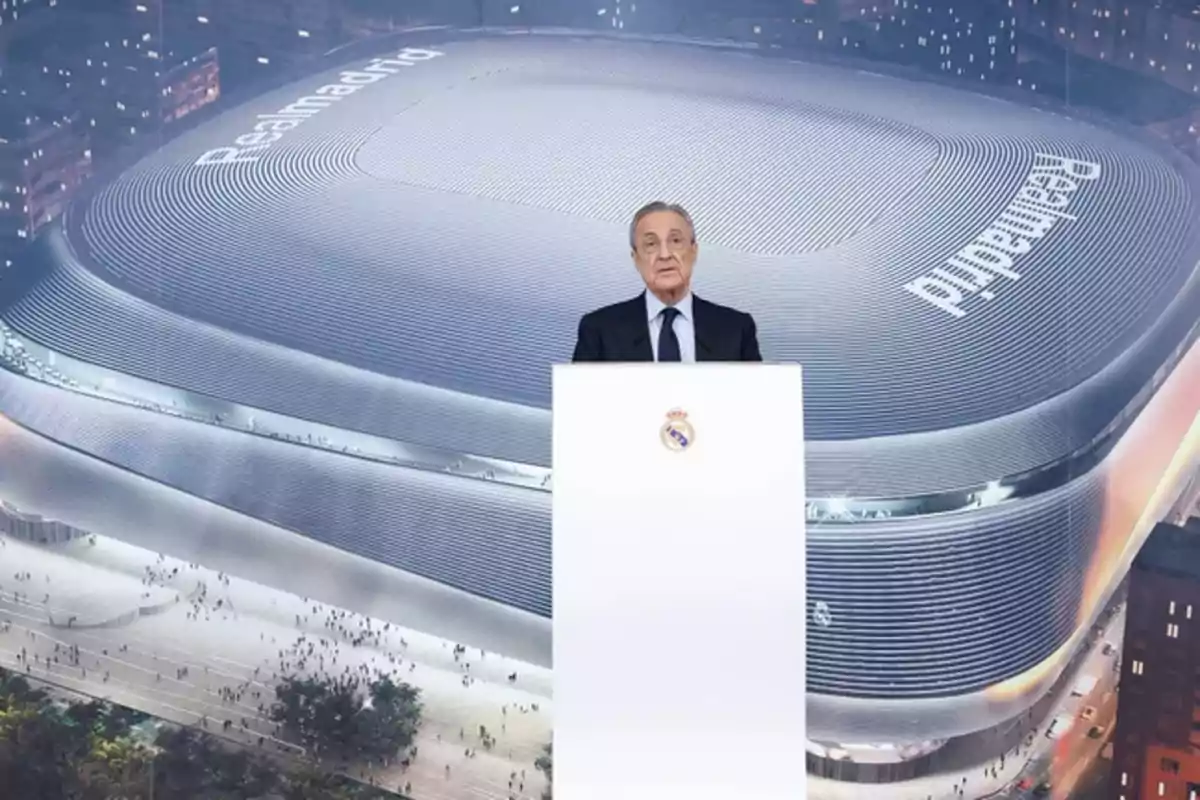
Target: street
[
  {"x": 1033, "y": 759},
  {"x": 201, "y": 648}
]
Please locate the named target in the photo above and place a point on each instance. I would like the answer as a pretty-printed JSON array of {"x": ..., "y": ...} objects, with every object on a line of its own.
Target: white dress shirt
[{"x": 684, "y": 326}]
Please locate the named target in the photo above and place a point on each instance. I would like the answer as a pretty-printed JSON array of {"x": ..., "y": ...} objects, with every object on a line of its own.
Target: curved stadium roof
[
  {"x": 446, "y": 226},
  {"x": 408, "y": 260}
]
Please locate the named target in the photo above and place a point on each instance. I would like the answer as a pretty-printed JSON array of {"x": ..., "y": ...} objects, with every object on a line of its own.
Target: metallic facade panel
[
  {"x": 932, "y": 607},
  {"x": 417, "y": 231},
  {"x": 410, "y": 263}
]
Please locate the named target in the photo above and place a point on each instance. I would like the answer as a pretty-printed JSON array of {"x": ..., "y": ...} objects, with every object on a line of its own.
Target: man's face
[{"x": 664, "y": 250}]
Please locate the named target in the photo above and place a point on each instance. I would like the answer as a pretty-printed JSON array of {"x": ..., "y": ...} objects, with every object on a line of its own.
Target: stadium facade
[{"x": 335, "y": 306}]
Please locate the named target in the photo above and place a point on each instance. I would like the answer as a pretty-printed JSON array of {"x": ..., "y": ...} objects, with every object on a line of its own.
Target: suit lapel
[
  {"x": 700, "y": 317},
  {"x": 638, "y": 330}
]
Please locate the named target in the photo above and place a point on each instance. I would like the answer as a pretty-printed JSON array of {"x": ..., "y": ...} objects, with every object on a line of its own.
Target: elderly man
[{"x": 666, "y": 322}]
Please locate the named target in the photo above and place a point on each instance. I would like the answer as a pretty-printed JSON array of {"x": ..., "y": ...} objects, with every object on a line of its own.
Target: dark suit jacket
[{"x": 621, "y": 332}]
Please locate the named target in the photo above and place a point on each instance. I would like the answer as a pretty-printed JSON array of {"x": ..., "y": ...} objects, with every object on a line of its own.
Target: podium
[{"x": 679, "y": 591}]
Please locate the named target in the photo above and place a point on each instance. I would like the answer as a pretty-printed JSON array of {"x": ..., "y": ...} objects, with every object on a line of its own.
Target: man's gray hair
[{"x": 656, "y": 206}]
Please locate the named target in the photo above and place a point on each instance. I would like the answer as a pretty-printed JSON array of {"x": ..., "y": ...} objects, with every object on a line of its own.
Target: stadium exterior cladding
[{"x": 314, "y": 264}]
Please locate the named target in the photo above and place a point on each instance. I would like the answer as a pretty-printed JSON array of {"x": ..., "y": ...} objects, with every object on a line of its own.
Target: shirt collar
[{"x": 654, "y": 306}]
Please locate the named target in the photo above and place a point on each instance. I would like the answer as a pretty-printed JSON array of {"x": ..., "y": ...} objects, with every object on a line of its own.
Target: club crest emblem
[{"x": 677, "y": 434}]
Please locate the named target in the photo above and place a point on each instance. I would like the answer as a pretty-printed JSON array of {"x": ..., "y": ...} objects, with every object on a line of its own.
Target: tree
[
  {"x": 391, "y": 721},
  {"x": 320, "y": 713},
  {"x": 115, "y": 768},
  {"x": 75, "y": 751},
  {"x": 185, "y": 764},
  {"x": 180, "y": 763},
  {"x": 190, "y": 765},
  {"x": 332, "y": 716},
  {"x": 87, "y": 750},
  {"x": 105, "y": 719},
  {"x": 311, "y": 784},
  {"x": 545, "y": 763},
  {"x": 236, "y": 773},
  {"x": 18, "y": 690},
  {"x": 39, "y": 748}
]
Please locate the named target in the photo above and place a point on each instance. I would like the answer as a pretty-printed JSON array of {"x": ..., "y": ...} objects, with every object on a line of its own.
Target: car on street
[
  {"x": 1084, "y": 686},
  {"x": 1060, "y": 725}
]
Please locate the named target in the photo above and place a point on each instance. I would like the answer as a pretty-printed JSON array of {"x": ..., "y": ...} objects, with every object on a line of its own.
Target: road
[
  {"x": 1070, "y": 761},
  {"x": 160, "y": 615},
  {"x": 199, "y": 647},
  {"x": 1076, "y": 753},
  {"x": 1028, "y": 754}
]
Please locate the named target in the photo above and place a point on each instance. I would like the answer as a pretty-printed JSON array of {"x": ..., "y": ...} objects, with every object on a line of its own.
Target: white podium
[{"x": 679, "y": 591}]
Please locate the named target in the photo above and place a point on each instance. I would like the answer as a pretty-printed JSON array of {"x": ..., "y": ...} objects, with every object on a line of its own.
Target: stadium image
[{"x": 333, "y": 308}]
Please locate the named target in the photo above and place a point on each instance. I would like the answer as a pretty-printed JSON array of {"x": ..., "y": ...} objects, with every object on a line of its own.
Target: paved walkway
[
  {"x": 232, "y": 644},
  {"x": 234, "y": 636}
]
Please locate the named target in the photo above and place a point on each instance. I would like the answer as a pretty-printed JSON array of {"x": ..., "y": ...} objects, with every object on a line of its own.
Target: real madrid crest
[{"x": 677, "y": 433}]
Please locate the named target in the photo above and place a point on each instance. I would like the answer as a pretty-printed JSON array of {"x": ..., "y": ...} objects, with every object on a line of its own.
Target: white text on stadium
[
  {"x": 270, "y": 128},
  {"x": 1040, "y": 204}
]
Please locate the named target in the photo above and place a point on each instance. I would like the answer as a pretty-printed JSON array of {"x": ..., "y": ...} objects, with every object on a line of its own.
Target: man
[{"x": 666, "y": 322}]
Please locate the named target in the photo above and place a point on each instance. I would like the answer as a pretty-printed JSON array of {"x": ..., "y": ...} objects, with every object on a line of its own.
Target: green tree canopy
[
  {"x": 337, "y": 717},
  {"x": 545, "y": 764}
]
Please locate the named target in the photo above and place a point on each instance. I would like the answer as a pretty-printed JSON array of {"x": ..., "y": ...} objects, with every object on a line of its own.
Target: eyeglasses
[{"x": 675, "y": 244}]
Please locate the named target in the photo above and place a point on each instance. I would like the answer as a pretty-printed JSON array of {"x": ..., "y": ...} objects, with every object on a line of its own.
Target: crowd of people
[{"x": 167, "y": 672}]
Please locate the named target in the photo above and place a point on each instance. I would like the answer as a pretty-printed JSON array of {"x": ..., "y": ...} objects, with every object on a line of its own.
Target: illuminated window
[
  {"x": 1172, "y": 630},
  {"x": 1171, "y": 608},
  {"x": 1188, "y": 610},
  {"x": 1162, "y": 788},
  {"x": 1138, "y": 667}
]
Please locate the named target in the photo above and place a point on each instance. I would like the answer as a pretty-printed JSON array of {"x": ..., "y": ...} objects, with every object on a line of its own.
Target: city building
[
  {"x": 1156, "y": 745},
  {"x": 1138, "y": 61},
  {"x": 361, "y": 19},
  {"x": 13, "y": 10},
  {"x": 119, "y": 66},
  {"x": 1154, "y": 39},
  {"x": 972, "y": 41},
  {"x": 256, "y": 37},
  {"x": 867, "y": 10},
  {"x": 1182, "y": 132},
  {"x": 137, "y": 73},
  {"x": 43, "y": 161},
  {"x": 19, "y": 15}
]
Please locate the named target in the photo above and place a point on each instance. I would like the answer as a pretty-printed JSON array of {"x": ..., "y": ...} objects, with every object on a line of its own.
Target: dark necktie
[{"x": 668, "y": 342}]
